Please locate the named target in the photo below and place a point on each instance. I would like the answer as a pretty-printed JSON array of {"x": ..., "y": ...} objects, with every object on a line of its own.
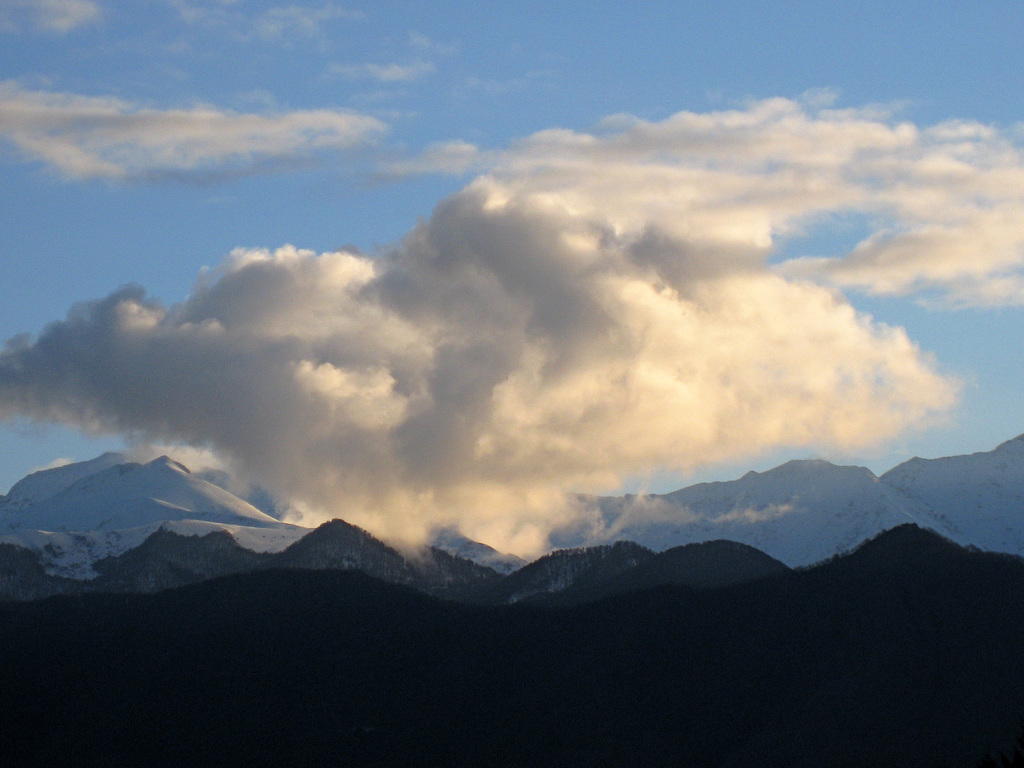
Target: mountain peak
[
  {"x": 47, "y": 483},
  {"x": 818, "y": 467},
  {"x": 1015, "y": 445},
  {"x": 166, "y": 462},
  {"x": 904, "y": 545}
]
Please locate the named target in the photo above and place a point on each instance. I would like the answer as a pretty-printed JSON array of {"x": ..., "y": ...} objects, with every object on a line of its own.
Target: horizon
[{"x": 400, "y": 269}]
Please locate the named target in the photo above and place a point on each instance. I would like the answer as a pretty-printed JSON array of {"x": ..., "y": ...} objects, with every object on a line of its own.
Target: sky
[{"x": 432, "y": 264}]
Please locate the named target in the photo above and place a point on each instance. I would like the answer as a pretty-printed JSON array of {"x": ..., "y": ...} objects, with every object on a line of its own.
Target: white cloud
[
  {"x": 89, "y": 136},
  {"x": 943, "y": 203},
  {"x": 60, "y": 16}
]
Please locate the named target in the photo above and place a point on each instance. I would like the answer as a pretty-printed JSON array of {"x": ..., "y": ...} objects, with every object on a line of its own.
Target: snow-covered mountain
[
  {"x": 77, "y": 514},
  {"x": 46, "y": 483},
  {"x": 806, "y": 511},
  {"x": 454, "y": 543},
  {"x": 129, "y": 495},
  {"x": 978, "y": 497}
]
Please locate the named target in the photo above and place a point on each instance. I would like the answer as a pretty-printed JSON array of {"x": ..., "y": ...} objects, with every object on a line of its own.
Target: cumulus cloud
[
  {"x": 89, "y": 136},
  {"x": 579, "y": 315},
  {"x": 58, "y": 16}
]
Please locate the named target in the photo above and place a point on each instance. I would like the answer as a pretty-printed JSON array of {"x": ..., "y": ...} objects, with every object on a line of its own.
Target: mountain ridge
[{"x": 799, "y": 513}]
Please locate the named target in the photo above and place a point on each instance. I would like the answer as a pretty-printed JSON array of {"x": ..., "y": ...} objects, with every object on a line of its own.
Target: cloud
[
  {"x": 592, "y": 309},
  {"x": 385, "y": 73},
  {"x": 295, "y": 20},
  {"x": 103, "y": 137},
  {"x": 453, "y": 157},
  {"x": 276, "y": 24},
  {"x": 60, "y": 16},
  {"x": 423, "y": 51},
  {"x": 941, "y": 204}
]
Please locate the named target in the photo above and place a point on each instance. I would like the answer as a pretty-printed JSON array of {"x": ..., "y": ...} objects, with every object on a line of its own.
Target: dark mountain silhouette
[
  {"x": 339, "y": 545},
  {"x": 903, "y": 653},
  {"x": 168, "y": 559},
  {"x": 569, "y": 573},
  {"x": 702, "y": 566},
  {"x": 22, "y": 576},
  {"x": 575, "y": 576}
]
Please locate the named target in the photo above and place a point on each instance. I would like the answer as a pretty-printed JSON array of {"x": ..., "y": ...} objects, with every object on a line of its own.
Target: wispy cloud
[
  {"x": 422, "y": 52},
  {"x": 451, "y": 157},
  {"x": 297, "y": 20},
  {"x": 88, "y": 136},
  {"x": 385, "y": 73},
  {"x": 427, "y": 46},
  {"x": 279, "y": 23},
  {"x": 60, "y": 16}
]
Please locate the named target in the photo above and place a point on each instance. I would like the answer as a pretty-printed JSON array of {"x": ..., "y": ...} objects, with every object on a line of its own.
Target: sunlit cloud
[
  {"x": 942, "y": 203},
  {"x": 60, "y": 16},
  {"x": 104, "y": 137}
]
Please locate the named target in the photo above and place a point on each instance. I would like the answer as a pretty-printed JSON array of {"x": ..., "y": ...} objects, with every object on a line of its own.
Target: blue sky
[{"x": 143, "y": 142}]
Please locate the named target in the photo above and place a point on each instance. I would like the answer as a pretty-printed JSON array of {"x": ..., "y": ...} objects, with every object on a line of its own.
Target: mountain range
[
  {"x": 113, "y": 525},
  {"x": 810, "y": 615},
  {"x": 803, "y": 512}
]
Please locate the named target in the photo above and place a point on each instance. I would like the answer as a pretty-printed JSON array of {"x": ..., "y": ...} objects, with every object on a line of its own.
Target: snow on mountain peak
[
  {"x": 76, "y": 514},
  {"x": 46, "y": 483},
  {"x": 166, "y": 462},
  {"x": 800, "y": 512},
  {"x": 980, "y": 495},
  {"x": 129, "y": 495}
]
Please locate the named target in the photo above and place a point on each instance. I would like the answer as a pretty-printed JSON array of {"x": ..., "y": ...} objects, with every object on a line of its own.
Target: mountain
[
  {"x": 707, "y": 565},
  {"x": 127, "y": 495},
  {"x": 340, "y": 546},
  {"x": 454, "y": 543},
  {"x": 587, "y": 574},
  {"x": 566, "y": 572},
  {"x": 905, "y": 652},
  {"x": 803, "y": 512},
  {"x": 23, "y": 577},
  {"x": 46, "y": 483},
  {"x": 78, "y": 514},
  {"x": 166, "y": 559},
  {"x": 109, "y": 525},
  {"x": 979, "y": 497},
  {"x": 800, "y": 513}
]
